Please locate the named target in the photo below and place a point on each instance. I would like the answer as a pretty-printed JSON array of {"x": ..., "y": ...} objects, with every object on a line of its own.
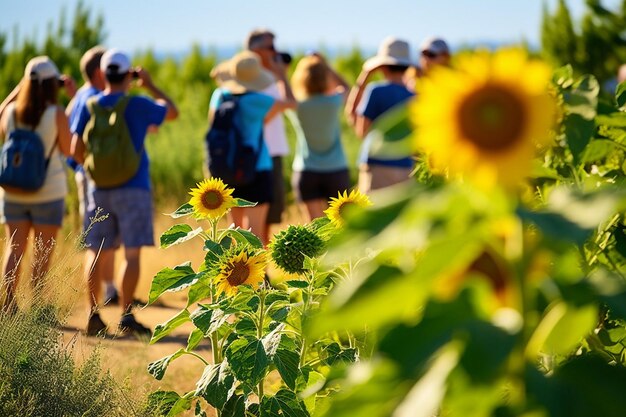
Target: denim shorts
[
  {"x": 128, "y": 219},
  {"x": 50, "y": 213}
]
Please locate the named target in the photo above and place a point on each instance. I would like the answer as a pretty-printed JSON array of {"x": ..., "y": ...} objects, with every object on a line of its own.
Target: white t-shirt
[
  {"x": 274, "y": 130},
  {"x": 55, "y": 186}
]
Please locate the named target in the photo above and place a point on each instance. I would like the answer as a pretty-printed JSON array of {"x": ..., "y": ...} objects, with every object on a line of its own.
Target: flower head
[
  {"x": 212, "y": 199},
  {"x": 243, "y": 267},
  {"x": 290, "y": 246},
  {"x": 338, "y": 206},
  {"x": 484, "y": 120}
]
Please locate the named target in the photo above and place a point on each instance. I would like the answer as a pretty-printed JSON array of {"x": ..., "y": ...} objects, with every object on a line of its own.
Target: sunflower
[
  {"x": 240, "y": 268},
  {"x": 337, "y": 208},
  {"x": 485, "y": 119},
  {"x": 212, "y": 199}
]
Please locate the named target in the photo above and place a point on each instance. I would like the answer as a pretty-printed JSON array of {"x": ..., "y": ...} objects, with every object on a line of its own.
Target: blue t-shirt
[
  {"x": 80, "y": 100},
  {"x": 252, "y": 109},
  {"x": 377, "y": 99},
  {"x": 141, "y": 112},
  {"x": 318, "y": 147}
]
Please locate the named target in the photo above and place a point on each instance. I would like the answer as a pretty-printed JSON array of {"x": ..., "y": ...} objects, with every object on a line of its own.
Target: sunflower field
[{"x": 493, "y": 284}]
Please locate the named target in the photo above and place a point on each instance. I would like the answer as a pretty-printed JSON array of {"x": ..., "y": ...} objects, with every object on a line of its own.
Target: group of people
[{"x": 313, "y": 100}]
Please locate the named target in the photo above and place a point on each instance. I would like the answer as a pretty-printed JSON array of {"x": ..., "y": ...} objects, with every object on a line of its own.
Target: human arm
[
  {"x": 355, "y": 95},
  {"x": 64, "y": 137},
  {"x": 145, "y": 81},
  {"x": 9, "y": 99},
  {"x": 287, "y": 99}
]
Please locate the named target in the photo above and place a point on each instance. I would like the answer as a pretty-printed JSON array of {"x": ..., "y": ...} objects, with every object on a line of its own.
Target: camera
[
  {"x": 60, "y": 82},
  {"x": 134, "y": 74},
  {"x": 283, "y": 57}
]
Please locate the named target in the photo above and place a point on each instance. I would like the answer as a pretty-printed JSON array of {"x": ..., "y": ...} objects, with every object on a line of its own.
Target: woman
[
  {"x": 33, "y": 105},
  {"x": 244, "y": 77},
  {"x": 320, "y": 170}
]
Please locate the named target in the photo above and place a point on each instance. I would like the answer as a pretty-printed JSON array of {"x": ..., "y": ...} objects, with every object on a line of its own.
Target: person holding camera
[
  {"x": 261, "y": 42},
  {"x": 368, "y": 102},
  {"x": 127, "y": 205},
  {"x": 320, "y": 169},
  {"x": 34, "y": 106},
  {"x": 93, "y": 85}
]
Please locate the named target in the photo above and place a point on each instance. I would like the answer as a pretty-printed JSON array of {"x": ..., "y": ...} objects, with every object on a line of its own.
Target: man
[
  {"x": 367, "y": 102},
  {"x": 261, "y": 41},
  {"x": 94, "y": 84},
  {"x": 434, "y": 51},
  {"x": 128, "y": 206}
]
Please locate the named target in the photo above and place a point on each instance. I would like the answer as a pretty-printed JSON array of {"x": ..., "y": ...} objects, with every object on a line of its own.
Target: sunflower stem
[
  {"x": 215, "y": 342},
  {"x": 259, "y": 332}
]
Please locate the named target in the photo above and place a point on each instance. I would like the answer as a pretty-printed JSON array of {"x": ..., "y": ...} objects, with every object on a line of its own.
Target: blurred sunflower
[
  {"x": 337, "y": 207},
  {"x": 212, "y": 199},
  {"x": 240, "y": 268},
  {"x": 485, "y": 119}
]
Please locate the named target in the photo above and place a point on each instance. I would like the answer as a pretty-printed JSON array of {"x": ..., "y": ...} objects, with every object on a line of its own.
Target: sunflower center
[
  {"x": 212, "y": 199},
  {"x": 238, "y": 274},
  {"x": 492, "y": 118}
]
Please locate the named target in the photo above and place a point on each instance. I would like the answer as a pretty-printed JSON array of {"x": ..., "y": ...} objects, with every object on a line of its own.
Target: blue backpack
[
  {"x": 23, "y": 162},
  {"x": 229, "y": 156}
]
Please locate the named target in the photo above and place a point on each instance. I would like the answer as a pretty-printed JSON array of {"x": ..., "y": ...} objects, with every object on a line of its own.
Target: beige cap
[{"x": 41, "y": 68}]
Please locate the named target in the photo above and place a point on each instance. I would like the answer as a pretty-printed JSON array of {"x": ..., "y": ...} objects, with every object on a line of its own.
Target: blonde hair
[{"x": 310, "y": 77}]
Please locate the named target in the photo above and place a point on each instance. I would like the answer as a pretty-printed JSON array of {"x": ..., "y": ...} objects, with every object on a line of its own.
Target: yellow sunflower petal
[
  {"x": 211, "y": 199},
  {"x": 338, "y": 206},
  {"x": 484, "y": 120}
]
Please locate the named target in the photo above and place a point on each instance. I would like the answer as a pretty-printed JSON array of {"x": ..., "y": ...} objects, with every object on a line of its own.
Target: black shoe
[
  {"x": 96, "y": 326},
  {"x": 128, "y": 324},
  {"x": 113, "y": 300}
]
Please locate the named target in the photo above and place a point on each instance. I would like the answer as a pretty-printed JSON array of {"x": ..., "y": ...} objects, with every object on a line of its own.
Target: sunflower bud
[{"x": 290, "y": 247}]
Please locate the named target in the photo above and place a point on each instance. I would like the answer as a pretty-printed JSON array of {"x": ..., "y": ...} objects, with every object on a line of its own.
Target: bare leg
[
  {"x": 17, "y": 235},
  {"x": 130, "y": 277},
  {"x": 316, "y": 208},
  {"x": 257, "y": 220},
  {"x": 238, "y": 215},
  {"x": 96, "y": 263}
]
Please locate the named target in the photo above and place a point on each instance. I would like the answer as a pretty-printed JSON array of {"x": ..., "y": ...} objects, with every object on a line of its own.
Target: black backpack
[{"x": 229, "y": 157}]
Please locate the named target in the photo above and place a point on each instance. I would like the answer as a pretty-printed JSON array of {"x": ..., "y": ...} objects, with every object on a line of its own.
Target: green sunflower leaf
[
  {"x": 217, "y": 384},
  {"x": 240, "y": 202},
  {"x": 162, "y": 330},
  {"x": 284, "y": 403},
  {"x": 178, "y": 234},
  {"x": 157, "y": 368},
  {"x": 182, "y": 211},
  {"x": 248, "y": 360},
  {"x": 171, "y": 280}
]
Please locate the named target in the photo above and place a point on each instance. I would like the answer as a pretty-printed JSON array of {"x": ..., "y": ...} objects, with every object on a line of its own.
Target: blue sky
[{"x": 173, "y": 25}]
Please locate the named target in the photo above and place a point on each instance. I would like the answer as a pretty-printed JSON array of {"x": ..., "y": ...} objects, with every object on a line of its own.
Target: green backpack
[{"x": 110, "y": 156}]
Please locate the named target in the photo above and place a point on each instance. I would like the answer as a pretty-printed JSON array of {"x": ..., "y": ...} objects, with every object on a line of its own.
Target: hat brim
[
  {"x": 237, "y": 86},
  {"x": 378, "y": 61}
]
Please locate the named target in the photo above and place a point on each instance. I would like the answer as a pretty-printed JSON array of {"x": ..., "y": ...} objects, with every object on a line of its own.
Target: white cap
[
  {"x": 41, "y": 68},
  {"x": 114, "y": 61},
  {"x": 436, "y": 46}
]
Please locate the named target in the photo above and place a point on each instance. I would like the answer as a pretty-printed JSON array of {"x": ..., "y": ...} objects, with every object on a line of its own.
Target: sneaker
[
  {"x": 112, "y": 298},
  {"x": 96, "y": 326},
  {"x": 128, "y": 324}
]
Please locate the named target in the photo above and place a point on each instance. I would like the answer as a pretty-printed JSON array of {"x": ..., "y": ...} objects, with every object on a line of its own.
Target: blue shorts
[
  {"x": 50, "y": 213},
  {"x": 128, "y": 221}
]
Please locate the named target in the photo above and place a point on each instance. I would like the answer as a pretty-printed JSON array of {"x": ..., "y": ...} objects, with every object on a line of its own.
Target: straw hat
[
  {"x": 392, "y": 51},
  {"x": 435, "y": 46},
  {"x": 221, "y": 72},
  {"x": 247, "y": 74}
]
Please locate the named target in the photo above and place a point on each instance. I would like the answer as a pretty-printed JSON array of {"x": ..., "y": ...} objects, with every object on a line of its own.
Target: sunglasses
[{"x": 429, "y": 54}]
